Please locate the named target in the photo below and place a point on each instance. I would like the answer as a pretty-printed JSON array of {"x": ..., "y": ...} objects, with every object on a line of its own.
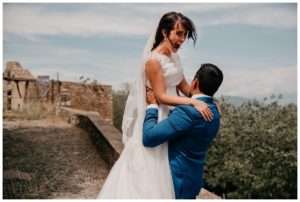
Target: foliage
[
  {"x": 119, "y": 101},
  {"x": 255, "y": 152}
]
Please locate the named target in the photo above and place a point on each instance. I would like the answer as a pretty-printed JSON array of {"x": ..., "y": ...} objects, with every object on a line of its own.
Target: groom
[{"x": 188, "y": 134}]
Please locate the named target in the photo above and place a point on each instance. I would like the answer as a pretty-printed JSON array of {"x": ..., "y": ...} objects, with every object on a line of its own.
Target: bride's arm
[
  {"x": 184, "y": 87},
  {"x": 155, "y": 75}
]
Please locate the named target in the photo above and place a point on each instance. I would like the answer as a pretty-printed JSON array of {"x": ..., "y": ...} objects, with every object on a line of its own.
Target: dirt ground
[{"x": 49, "y": 159}]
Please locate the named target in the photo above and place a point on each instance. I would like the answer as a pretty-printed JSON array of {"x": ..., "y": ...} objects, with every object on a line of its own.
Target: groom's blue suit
[{"x": 189, "y": 137}]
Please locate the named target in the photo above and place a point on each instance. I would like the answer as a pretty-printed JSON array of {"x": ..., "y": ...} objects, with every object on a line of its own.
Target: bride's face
[{"x": 177, "y": 37}]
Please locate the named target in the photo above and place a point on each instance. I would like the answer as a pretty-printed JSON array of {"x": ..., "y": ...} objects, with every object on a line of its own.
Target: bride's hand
[
  {"x": 204, "y": 109},
  {"x": 218, "y": 108},
  {"x": 150, "y": 98}
]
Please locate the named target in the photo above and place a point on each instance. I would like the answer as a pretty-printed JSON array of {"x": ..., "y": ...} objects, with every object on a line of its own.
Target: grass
[{"x": 33, "y": 111}]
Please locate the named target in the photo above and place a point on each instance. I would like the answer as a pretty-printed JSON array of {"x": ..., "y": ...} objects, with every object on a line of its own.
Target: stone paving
[{"x": 50, "y": 159}]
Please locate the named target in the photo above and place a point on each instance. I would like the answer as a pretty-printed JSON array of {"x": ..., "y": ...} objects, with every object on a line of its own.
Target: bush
[
  {"x": 255, "y": 153},
  {"x": 119, "y": 101}
]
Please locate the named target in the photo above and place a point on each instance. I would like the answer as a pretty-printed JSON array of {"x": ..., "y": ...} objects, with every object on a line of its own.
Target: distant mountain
[
  {"x": 235, "y": 100},
  {"x": 238, "y": 101},
  {"x": 288, "y": 99}
]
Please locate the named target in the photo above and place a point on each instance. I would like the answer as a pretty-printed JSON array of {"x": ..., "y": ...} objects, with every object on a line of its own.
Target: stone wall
[
  {"x": 88, "y": 97},
  {"x": 84, "y": 96}
]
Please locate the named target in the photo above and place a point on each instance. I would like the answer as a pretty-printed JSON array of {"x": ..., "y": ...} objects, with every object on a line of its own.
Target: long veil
[
  {"x": 136, "y": 101},
  {"x": 139, "y": 172}
]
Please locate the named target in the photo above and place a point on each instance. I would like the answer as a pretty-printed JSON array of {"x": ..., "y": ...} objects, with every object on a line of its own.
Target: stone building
[
  {"x": 20, "y": 87},
  {"x": 16, "y": 84}
]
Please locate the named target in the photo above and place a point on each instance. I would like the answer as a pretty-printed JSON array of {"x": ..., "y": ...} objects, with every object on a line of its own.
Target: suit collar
[{"x": 204, "y": 98}]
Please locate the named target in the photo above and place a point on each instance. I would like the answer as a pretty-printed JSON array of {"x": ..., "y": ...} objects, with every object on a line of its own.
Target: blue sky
[{"x": 254, "y": 44}]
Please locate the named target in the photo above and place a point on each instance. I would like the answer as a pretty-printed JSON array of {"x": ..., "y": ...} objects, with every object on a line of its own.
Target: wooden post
[{"x": 52, "y": 91}]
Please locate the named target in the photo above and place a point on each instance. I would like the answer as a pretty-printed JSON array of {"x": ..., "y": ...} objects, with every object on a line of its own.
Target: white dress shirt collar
[{"x": 200, "y": 95}]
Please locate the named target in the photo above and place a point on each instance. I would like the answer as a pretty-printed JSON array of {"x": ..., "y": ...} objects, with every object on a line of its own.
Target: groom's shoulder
[{"x": 187, "y": 110}]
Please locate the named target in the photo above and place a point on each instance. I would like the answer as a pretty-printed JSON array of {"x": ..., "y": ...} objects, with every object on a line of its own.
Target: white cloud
[
  {"x": 159, "y": 9},
  {"x": 244, "y": 80},
  {"x": 259, "y": 83},
  {"x": 24, "y": 20},
  {"x": 131, "y": 19},
  {"x": 269, "y": 17}
]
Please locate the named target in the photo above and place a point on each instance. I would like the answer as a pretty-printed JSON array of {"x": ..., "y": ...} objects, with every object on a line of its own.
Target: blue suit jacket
[{"x": 189, "y": 137}]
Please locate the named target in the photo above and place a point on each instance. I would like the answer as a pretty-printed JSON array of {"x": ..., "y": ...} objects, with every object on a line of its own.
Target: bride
[{"x": 144, "y": 173}]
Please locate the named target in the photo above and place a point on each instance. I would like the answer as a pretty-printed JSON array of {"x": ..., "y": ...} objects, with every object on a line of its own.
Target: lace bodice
[
  {"x": 173, "y": 75},
  {"x": 171, "y": 67}
]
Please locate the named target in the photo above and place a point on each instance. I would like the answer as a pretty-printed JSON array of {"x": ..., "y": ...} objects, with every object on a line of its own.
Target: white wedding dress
[
  {"x": 144, "y": 173},
  {"x": 140, "y": 172}
]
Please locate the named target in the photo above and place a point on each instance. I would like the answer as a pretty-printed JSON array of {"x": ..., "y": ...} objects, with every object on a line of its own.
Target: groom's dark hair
[{"x": 210, "y": 78}]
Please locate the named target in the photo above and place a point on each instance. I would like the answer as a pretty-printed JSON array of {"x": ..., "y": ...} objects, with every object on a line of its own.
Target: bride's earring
[{"x": 165, "y": 38}]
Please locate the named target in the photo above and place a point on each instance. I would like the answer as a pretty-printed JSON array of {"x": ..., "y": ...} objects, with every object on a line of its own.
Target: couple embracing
[{"x": 166, "y": 136}]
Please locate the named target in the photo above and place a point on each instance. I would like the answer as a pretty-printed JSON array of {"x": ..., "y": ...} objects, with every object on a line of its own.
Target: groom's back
[{"x": 187, "y": 152}]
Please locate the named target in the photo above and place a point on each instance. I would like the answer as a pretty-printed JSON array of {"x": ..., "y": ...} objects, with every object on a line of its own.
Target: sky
[{"x": 254, "y": 44}]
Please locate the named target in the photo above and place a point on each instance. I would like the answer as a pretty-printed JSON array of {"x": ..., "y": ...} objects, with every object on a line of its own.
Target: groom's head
[{"x": 207, "y": 79}]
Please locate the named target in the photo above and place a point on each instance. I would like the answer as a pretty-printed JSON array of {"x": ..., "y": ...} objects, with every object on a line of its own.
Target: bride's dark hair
[{"x": 168, "y": 21}]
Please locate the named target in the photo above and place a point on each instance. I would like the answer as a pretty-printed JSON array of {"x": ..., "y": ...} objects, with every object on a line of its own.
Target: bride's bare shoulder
[{"x": 152, "y": 65}]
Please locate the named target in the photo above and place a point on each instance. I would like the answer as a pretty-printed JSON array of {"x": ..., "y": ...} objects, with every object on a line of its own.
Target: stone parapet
[{"x": 105, "y": 136}]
